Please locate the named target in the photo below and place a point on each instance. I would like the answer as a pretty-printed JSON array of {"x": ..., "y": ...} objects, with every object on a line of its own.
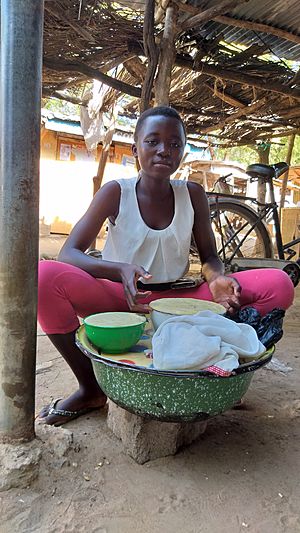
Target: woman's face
[{"x": 160, "y": 146}]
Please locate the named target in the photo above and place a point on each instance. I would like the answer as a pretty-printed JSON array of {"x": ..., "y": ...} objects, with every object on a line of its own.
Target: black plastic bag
[{"x": 268, "y": 328}]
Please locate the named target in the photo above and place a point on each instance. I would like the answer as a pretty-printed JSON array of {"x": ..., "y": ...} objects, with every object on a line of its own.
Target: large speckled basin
[{"x": 167, "y": 396}]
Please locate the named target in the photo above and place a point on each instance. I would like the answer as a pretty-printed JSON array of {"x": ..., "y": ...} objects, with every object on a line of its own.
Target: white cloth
[
  {"x": 195, "y": 342},
  {"x": 164, "y": 253}
]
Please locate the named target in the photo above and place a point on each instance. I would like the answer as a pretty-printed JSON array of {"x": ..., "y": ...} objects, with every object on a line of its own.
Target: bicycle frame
[
  {"x": 264, "y": 209},
  {"x": 237, "y": 246}
]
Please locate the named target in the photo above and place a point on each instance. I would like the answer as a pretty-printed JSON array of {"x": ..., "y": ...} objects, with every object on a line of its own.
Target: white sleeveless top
[{"x": 164, "y": 253}]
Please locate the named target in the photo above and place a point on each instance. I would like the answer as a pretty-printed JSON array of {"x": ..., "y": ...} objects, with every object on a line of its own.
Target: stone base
[
  {"x": 19, "y": 464},
  {"x": 145, "y": 439}
]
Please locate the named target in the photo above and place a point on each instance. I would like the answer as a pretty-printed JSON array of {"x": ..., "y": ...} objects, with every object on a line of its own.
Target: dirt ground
[{"x": 241, "y": 475}]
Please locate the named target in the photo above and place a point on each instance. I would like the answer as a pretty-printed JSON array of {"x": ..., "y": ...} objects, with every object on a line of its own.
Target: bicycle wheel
[{"x": 238, "y": 231}]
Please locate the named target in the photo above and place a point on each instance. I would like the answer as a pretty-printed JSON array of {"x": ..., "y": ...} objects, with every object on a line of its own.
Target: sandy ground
[{"x": 241, "y": 475}]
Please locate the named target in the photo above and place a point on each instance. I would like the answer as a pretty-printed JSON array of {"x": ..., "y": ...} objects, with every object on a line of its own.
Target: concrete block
[{"x": 146, "y": 439}]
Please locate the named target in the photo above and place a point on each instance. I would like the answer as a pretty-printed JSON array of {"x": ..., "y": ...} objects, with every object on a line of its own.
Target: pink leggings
[{"x": 66, "y": 292}]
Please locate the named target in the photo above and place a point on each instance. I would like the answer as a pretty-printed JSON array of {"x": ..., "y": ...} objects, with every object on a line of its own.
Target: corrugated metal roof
[{"x": 283, "y": 14}]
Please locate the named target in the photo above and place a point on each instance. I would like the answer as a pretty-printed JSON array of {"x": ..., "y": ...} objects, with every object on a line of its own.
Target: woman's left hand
[{"x": 226, "y": 291}]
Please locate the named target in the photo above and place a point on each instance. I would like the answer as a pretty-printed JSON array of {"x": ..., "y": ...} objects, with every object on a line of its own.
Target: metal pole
[{"x": 20, "y": 89}]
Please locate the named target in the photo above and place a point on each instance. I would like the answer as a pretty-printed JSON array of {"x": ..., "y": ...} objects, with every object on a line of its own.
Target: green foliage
[
  {"x": 278, "y": 151},
  {"x": 242, "y": 154},
  {"x": 249, "y": 154},
  {"x": 61, "y": 106}
]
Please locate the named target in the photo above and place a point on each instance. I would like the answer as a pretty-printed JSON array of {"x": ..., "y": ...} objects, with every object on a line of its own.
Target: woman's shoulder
[
  {"x": 107, "y": 198},
  {"x": 115, "y": 186},
  {"x": 197, "y": 194},
  {"x": 190, "y": 185},
  {"x": 194, "y": 189},
  {"x": 179, "y": 183},
  {"x": 127, "y": 182}
]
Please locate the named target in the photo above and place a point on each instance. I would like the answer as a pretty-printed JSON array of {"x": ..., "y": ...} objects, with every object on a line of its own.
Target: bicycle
[{"x": 242, "y": 236}]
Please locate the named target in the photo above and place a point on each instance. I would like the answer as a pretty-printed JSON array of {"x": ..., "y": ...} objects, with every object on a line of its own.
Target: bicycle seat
[{"x": 258, "y": 170}]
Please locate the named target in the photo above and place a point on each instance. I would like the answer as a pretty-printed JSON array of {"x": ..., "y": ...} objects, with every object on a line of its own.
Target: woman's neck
[{"x": 149, "y": 185}]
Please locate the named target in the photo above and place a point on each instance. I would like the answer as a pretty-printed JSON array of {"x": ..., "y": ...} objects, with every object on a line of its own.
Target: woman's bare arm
[
  {"x": 224, "y": 289},
  {"x": 105, "y": 204},
  {"x": 212, "y": 266}
]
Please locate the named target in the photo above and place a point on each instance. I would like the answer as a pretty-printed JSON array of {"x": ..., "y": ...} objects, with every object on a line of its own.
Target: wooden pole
[
  {"x": 97, "y": 180},
  {"x": 264, "y": 154},
  {"x": 167, "y": 57},
  {"x": 151, "y": 53},
  {"x": 21, "y": 74},
  {"x": 286, "y": 175}
]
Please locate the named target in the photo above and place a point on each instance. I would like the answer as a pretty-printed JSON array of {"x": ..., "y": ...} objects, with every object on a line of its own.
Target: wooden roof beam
[
  {"x": 225, "y": 97},
  {"x": 136, "y": 68},
  {"x": 92, "y": 73},
  {"x": 201, "y": 16},
  {"x": 285, "y": 133},
  {"x": 60, "y": 14},
  {"x": 217, "y": 71},
  {"x": 246, "y": 110},
  {"x": 257, "y": 26},
  {"x": 244, "y": 79},
  {"x": 46, "y": 93}
]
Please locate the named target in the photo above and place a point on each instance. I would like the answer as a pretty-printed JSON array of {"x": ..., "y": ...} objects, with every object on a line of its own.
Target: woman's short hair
[{"x": 160, "y": 111}]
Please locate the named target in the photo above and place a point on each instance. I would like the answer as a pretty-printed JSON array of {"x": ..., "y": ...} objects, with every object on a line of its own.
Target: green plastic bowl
[{"x": 114, "y": 332}]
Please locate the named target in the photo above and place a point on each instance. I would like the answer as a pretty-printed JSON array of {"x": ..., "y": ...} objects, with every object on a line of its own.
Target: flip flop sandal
[{"x": 71, "y": 415}]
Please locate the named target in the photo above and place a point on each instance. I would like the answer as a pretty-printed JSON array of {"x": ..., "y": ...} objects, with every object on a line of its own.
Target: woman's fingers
[
  {"x": 237, "y": 289},
  {"x": 234, "y": 306},
  {"x": 142, "y": 294},
  {"x": 144, "y": 273},
  {"x": 141, "y": 308},
  {"x": 130, "y": 275},
  {"x": 133, "y": 295},
  {"x": 129, "y": 296},
  {"x": 133, "y": 304},
  {"x": 230, "y": 303}
]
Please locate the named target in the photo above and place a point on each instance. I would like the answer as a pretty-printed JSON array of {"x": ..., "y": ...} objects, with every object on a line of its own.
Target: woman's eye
[{"x": 153, "y": 143}]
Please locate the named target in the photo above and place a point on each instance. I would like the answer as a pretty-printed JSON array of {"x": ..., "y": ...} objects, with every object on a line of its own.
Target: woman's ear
[
  {"x": 135, "y": 154},
  {"x": 134, "y": 150}
]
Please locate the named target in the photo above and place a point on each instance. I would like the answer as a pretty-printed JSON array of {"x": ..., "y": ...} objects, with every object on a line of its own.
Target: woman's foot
[{"x": 75, "y": 405}]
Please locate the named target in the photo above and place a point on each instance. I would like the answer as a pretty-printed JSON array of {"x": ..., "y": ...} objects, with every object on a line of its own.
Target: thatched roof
[{"x": 232, "y": 79}]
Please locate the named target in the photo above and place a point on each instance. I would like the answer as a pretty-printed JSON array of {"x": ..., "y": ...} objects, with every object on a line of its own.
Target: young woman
[{"x": 151, "y": 220}]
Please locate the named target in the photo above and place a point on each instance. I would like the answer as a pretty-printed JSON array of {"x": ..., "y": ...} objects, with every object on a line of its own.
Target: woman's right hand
[{"x": 129, "y": 276}]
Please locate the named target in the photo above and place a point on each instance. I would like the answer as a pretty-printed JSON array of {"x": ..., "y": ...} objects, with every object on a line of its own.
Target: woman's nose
[{"x": 163, "y": 149}]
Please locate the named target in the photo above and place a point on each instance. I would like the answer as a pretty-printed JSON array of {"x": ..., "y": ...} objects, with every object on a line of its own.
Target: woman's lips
[{"x": 163, "y": 163}]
